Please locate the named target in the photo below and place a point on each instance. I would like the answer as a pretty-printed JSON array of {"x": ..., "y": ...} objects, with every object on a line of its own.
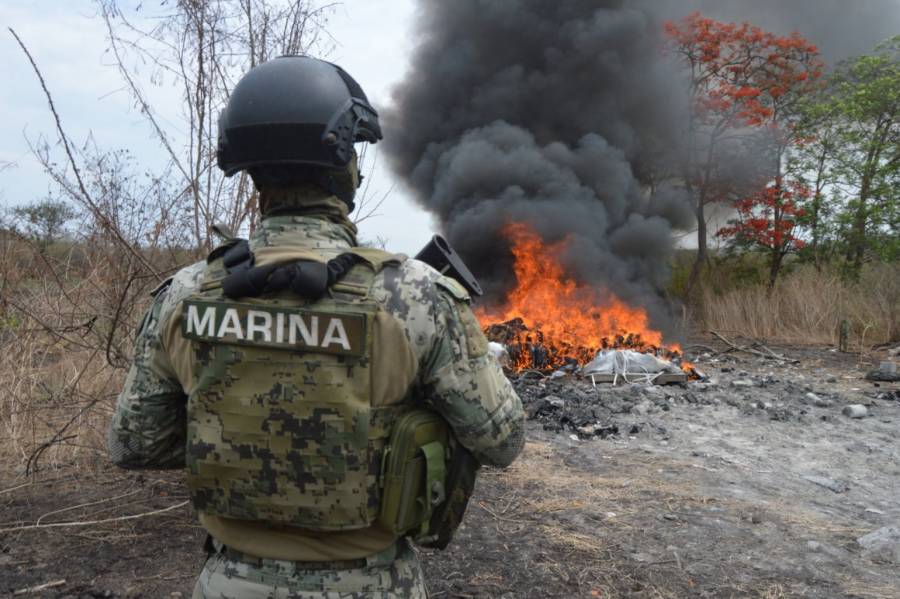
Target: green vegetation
[
  {"x": 44, "y": 221},
  {"x": 852, "y": 162}
]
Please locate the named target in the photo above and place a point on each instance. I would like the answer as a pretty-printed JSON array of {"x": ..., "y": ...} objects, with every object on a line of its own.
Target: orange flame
[{"x": 567, "y": 320}]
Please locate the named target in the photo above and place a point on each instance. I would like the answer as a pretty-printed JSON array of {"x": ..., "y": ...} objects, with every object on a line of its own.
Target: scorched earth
[{"x": 752, "y": 484}]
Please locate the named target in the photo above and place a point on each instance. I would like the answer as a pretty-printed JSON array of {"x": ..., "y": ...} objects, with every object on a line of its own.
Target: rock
[
  {"x": 597, "y": 430},
  {"x": 856, "y": 411},
  {"x": 885, "y": 373},
  {"x": 829, "y": 550},
  {"x": 832, "y": 380},
  {"x": 883, "y": 544},
  {"x": 830, "y": 484},
  {"x": 819, "y": 402},
  {"x": 556, "y": 402},
  {"x": 744, "y": 383}
]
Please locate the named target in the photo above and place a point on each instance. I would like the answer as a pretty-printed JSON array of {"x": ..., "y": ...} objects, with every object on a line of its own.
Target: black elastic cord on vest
[
  {"x": 238, "y": 257},
  {"x": 308, "y": 279}
]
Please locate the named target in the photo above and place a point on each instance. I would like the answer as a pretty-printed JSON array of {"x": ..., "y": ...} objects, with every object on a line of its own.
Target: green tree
[
  {"x": 45, "y": 220},
  {"x": 863, "y": 136},
  {"x": 811, "y": 163}
]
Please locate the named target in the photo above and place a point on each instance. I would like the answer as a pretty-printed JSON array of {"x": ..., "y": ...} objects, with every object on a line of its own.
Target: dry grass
[
  {"x": 623, "y": 501},
  {"x": 808, "y": 307},
  {"x": 67, "y": 319},
  {"x": 854, "y": 588},
  {"x": 55, "y": 409}
]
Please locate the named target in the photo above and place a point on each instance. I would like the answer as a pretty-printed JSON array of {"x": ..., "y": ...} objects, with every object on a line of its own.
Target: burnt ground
[{"x": 753, "y": 484}]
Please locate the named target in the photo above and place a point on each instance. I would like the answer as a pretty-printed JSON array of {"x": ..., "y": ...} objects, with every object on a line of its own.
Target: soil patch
[{"x": 751, "y": 484}]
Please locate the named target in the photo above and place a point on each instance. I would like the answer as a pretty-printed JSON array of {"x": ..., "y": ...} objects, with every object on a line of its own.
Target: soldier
[{"x": 276, "y": 372}]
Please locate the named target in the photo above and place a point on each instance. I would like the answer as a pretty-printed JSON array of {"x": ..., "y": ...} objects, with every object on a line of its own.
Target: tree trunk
[
  {"x": 858, "y": 235},
  {"x": 858, "y": 244},
  {"x": 816, "y": 223},
  {"x": 816, "y": 233},
  {"x": 702, "y": 251},
  {"x": 775, "y": 261}
]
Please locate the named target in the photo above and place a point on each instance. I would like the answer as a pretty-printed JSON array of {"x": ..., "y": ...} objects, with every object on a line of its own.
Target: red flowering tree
[
  {"x": 768, "y": 221},
  {"x": 744, "y": 82}
]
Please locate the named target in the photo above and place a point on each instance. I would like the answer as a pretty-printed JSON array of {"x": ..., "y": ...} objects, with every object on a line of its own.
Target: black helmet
[{"x": 295, "y": 110}]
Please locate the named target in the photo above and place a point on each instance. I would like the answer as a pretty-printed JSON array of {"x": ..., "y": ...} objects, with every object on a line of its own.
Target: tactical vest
[{"x": 283, "y": 421}]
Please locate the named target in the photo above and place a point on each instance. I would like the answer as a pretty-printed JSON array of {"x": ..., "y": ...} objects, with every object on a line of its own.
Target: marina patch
[{"x": 282, "y": 328}]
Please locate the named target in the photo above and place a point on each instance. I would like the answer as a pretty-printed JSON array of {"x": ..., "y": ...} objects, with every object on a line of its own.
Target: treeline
[{"x": 806, "y": 159}]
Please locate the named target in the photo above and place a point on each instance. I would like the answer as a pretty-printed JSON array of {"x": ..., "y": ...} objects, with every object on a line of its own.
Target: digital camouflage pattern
[
  {"x": 291, "y": 437},
  {"x": 394, "y": 574},
  {"x": 453, "y": 373}
]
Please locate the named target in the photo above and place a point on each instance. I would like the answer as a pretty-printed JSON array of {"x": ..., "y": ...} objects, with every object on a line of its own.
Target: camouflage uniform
[{"x": 454, "y": 374}]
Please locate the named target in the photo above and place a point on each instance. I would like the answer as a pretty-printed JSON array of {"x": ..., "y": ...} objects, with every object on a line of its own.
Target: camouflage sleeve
[
  {"x": 148, "y": 429},
  {"x": 466, "y": 385}
]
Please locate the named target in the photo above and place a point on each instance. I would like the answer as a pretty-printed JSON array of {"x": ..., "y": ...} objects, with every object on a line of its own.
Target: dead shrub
[{"x": 808, "y": 306}]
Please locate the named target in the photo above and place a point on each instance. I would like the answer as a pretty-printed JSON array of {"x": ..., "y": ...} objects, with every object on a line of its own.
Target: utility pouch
[
  {"x": 414, "y": 473},
  {"x": 462, "y": 468}
]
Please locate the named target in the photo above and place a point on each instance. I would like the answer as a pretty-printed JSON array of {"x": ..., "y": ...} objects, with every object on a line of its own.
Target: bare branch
[{"x": 86, "y": 197}]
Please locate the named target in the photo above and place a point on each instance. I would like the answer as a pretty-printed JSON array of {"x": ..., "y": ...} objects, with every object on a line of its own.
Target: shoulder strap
[
  {"x": 232, "y": 266},
  {"x": 378, "y": 259},
  {"x": 358, "y": 280}
]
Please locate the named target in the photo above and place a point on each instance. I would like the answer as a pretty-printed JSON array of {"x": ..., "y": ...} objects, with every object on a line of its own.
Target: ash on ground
[
  {"x": 755, "y": 387},
  {"x": 771, "y": 479}
]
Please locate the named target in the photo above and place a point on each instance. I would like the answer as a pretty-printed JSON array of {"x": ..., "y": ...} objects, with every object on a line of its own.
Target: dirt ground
[{"x": 753, "y": 484}]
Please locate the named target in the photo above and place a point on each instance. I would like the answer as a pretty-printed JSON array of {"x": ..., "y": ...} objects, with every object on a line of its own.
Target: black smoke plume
[
  {"x": 535, "y": 111},
  {"x": 555, "y": 114}
]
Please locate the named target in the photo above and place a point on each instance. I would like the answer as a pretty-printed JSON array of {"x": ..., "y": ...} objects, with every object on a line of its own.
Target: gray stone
[
  {"x": 819, "y": 402},
  {"x": 829, "y": 550},
  {"x": 556, "y": 402},
  {"x": 885, "y": 373},
  {"x": 883, "y": 544},
  {"x": 742, "y": 383},
  {"x": 835, "y": 486},
  {"x": 856, "y": 411}
]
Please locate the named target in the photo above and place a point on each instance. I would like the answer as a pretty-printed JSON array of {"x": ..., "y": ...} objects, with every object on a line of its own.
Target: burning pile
[{"x": 550, "y": 322}]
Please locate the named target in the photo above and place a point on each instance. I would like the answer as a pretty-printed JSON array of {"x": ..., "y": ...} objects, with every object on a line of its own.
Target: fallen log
[{"x": 749, "y": 350}]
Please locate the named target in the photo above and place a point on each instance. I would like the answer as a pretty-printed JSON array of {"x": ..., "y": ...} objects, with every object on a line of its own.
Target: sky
[{"x": 372, "y": 41}]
